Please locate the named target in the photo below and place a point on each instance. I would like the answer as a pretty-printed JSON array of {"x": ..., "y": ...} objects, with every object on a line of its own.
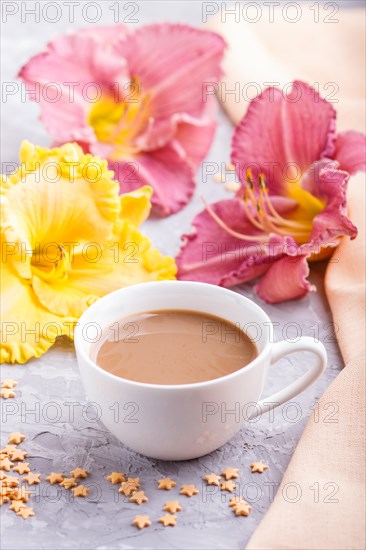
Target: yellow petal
[
  {"x": 28, "y": 329},
  {"x": 68, "y": 194},
  {"x": 136, "y": 206},
  {"x": 127, "y": 261}
]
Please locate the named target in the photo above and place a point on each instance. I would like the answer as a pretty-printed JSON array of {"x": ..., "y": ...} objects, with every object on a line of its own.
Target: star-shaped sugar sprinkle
[
  {"x": 230, "y": 473},
  {"x": 228, "y": 486},
  {"x": 234, "y": 501},
  {"x": 4, "y": 490},
  {"x": 172, "y": 506},
  {"x": 10, "y": 481},
  {"x": 80, "y": 491},
  {"x": 8, "y": 449},
  {"x": 116, "y": 477},
  {"x": 9, "y": 383},
  {"x": 25, "y": 512},
  {"x": 21, "y": 494},
  {"x": 18, "y": 455},
  {"x": 212, "y": 479},
  {"x": 22, "y": 468},
  {"x": 188, "y": 490},
  {"x": 7, "y": 393},
  {"x": 16, "y": 438},
  {"x": 16, "y": 505},
  {"x": 242, "y": 509},
  {"x": 258, "y": 467},
  {"x": 54, "y": 478},
  {"x": 130, "y": 486},
  {"x": 141, "y": 521},
  {"x": 5, "y": 464},
  {"x": 168, "y": 519},
  {"x": 139, "y": 497},
  {"x": 79, "y": 473},
  {"x": 68, "y": 482},
  {"x": 166, "y": 483},
  {"x": 32, "y": 479}
]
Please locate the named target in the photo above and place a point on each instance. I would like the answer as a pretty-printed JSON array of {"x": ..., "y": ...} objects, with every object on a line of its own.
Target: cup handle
[{"x": 280, "y": 349}]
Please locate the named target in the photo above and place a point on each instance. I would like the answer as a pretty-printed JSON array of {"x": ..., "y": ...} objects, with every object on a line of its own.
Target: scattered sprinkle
[
  {"x": 141, "y": 522},
  {"x": 228, "y": 486},
  {"x": 188, "y": 490},
  {"x": 139, "y": 497},
  {"x": 116, "y": 477},
  {"x": 80, "y": 491},
  {"x": 212, "y": 479},
  {"x": 166, "y": 483},
  {"x": 172, "y": 506},
  {"x": 168, "y": 519},
  {"x": 259, "y": 467}
]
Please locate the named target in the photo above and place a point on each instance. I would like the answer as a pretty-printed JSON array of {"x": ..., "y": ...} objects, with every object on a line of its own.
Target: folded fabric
[{"x": 329, "y": 54}]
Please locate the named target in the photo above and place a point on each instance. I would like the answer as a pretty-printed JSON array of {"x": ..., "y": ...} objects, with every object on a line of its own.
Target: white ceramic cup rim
[{"x": 92, "y": 313}]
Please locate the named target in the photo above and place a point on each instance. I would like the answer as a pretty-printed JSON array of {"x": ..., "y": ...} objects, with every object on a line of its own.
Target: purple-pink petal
[
  {"x": 285, "y": 280},
  {"x": 282, "y": 135},
  {"x": 350, "y": 151},
  {"x": 330, "y": 185},
  {"x": 212, "y": 255},
  {"x": 173, "y": 62},
  {"x": 165, "y": 170}
]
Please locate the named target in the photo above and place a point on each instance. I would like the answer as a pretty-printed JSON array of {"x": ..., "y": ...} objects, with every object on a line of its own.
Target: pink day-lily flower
[
  {"x": 291, "y": 207},
  {"x": 138, "y": 98}
]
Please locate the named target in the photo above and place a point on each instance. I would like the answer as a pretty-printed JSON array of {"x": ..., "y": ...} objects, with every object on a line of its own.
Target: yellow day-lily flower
[{"x": 68, "y": 238}]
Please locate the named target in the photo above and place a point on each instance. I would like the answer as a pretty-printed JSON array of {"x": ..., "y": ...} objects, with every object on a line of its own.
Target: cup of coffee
[{"x": 165, "y": 362}]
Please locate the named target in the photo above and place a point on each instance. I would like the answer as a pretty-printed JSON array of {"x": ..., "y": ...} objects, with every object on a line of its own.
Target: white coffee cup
[{"x": 180, "y": 422}]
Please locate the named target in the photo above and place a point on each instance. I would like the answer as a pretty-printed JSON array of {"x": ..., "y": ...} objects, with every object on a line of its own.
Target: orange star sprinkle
[
  {"x": 9, "y": 383},
  {"x": 22, "y": 468},
  {"x": 16, "y": 505},
  {"x": 141, "y": 521},
  {"x": 21, "y": 494},
  {"x": 16, "y": 438},
  {"x": 5, "y": 464},
  {"x": 258, "y": 467},
  {"x": 242, "y": 509},
  {"x": 68, "y": 482},
  {"x": 166, "y": 483},
  {"x": 25, "y": 512},
  {"x": 172, "y": 506},
  {"x": 8, "y": 449},
  {"x": 188, "y": 490},
  {"x": 234, "y": 501},
  {"x": 18, "y": 454},
  {"x": 32, "y": 479},
  {"x": 139, "y": 497},
  {"x": 168, "y": 519},
  {"x": 212, "y": 479},
  {"x": 10, "y": 481},
  {"x": 230, "y": 473},
  {"x": 228, "y": 486},
  {"x": 80, "y": 491},
  {"x": 54, "y": 478},
  {"x": 78, "y": 473},
  {"x": 128, "y": 487},
  {"x": 116, "y": 477},
  {"x": 7, "y": 393}
]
